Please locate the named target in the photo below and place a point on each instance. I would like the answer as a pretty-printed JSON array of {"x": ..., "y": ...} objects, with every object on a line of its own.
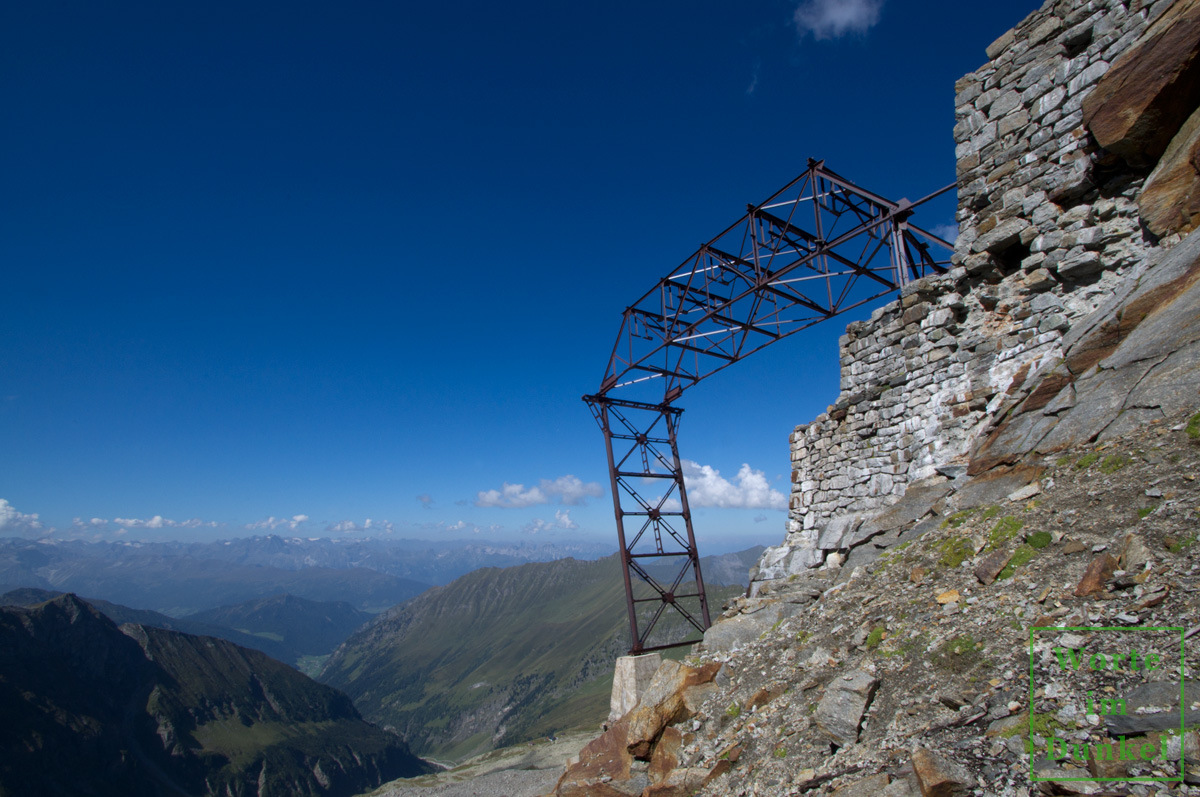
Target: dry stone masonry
[{"x": 1051, "y": 224}]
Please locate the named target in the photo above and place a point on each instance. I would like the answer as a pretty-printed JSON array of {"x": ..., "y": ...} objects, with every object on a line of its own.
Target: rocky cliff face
[{"x": 91, "y": 708}]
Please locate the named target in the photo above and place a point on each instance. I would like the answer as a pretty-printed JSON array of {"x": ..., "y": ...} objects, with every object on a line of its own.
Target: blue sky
[{"x": 267, "y": 261}]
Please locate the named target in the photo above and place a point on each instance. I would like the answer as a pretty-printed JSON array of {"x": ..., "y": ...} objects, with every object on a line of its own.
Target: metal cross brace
[{"x": 817, "y": 248}]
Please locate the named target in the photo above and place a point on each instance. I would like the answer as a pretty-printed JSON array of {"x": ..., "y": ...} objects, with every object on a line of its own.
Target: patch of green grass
[
  {"x": 1179, "y": 546},
  {"x": 1043, "y": 725},
  {"x": 803, "y": 636},
  {"x": 780, "y": 752},
  {"x": 1022, "y": 557},
  {"x": 734, "y": 711},
  {"x": 1086, "y": 461},
  {"x": 875, "y": 637},
  {"x": 954, "y": 551},
  {"x": 1114, "y": 462},
  {"x": 1145, "y": 511},
  {"x": 990, "y": 512},
  {"x": 1193, "y": 427},
  {"x": 1019, "y": 729},
  {"x": 1062, "y": 461},
  {"x": 957, "y": 519},
  {"x": 957, "y": 654},
  {"x": 1039, "y": 539},
  {"x": 1003, "y": 531}
]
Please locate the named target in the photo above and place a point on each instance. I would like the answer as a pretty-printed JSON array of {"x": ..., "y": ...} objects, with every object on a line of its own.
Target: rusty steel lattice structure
[{"x": 818, "y": 247}]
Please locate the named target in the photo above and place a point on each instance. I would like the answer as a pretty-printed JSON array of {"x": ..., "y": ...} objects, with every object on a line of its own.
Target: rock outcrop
[{"x": 1150, "y": 89}]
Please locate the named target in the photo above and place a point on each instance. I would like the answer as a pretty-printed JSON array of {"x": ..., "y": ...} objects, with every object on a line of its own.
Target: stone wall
[{"x": 1049, "y": 226}]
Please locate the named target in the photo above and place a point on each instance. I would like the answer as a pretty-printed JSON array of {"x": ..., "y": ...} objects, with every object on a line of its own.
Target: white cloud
[
  {"x": 157, "y": 522},
  {"x": 947, "y": 232},
  {"x": 754, "y": 77},
  {"x": 510, "y": 496},
  {"x": 749, "y": 489},
  {"x": 562, "y": 521},
  {"x": 368, "y": 527},
  {"x": 569, "y": 490},
  {"x": 273, "y": 523},
  {"x": 426, "y": 500},
  {"x": 829, "y": 19},
  {"x": 12, "y": 521}
]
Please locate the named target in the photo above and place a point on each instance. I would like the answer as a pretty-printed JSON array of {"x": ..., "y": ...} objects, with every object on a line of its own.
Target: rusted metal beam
[{"x": 771, "y": 274}]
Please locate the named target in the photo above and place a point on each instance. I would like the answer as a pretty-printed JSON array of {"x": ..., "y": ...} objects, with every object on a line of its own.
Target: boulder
[
  {"x": 603, "y": 760},
  {"x": 1147, "y": 94},
  {"x": 735, "y": 632},
  {"x": 918, "y": 500},
  {"x": 987, "y": 570},
  {"x": 663, "y": 704},
  {"x": 939, "y": 776},
  {"x": 666, "y": 754},
  {"x": 835, "y": 533},
  {"x": 1099, "y": 570},
  {"x": 1156, "y": 706},
  {"x": 840, "y": 712},
  {"x": 1170, "y": 200}
]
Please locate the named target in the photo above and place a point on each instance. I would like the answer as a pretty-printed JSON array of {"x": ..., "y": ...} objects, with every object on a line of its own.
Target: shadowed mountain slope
[{"x": 93, "y": 709}]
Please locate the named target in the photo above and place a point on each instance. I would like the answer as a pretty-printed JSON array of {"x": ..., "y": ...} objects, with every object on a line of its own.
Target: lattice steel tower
[{"x": 818, "y": 247}]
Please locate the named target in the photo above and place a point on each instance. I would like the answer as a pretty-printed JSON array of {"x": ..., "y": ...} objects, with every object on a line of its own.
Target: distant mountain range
[
  {"x": 183, "y": 578},
  {"x": 293, "y": 630},
  {"x": 90, "y": 708},
  {"x": 499, "y": 656}
]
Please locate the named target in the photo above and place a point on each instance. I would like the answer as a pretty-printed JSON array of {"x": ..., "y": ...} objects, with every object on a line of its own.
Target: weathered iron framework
[{"x": 817, "y": 248}]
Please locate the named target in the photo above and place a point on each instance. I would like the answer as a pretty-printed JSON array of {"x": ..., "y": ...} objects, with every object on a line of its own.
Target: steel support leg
[{"x": 660, "y": 563}]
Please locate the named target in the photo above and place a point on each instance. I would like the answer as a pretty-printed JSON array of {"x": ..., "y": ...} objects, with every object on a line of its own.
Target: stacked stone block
[{"x": 1048, "y": 226}]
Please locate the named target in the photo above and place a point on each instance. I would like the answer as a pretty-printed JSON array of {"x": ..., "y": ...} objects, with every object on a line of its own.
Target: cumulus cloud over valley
[
  {"x": 748, "y": 490},
  {"x": 562, "y": 522},
  {"x": 569, "y": 490}
]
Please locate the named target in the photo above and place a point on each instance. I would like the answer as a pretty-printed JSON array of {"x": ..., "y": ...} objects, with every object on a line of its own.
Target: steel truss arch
[{"x": 819, "y": 247}]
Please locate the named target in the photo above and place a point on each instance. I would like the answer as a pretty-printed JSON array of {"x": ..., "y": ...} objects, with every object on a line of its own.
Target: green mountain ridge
[
  {"x": 497, "y": 657},
  {"x": 93, "y": 709}
]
